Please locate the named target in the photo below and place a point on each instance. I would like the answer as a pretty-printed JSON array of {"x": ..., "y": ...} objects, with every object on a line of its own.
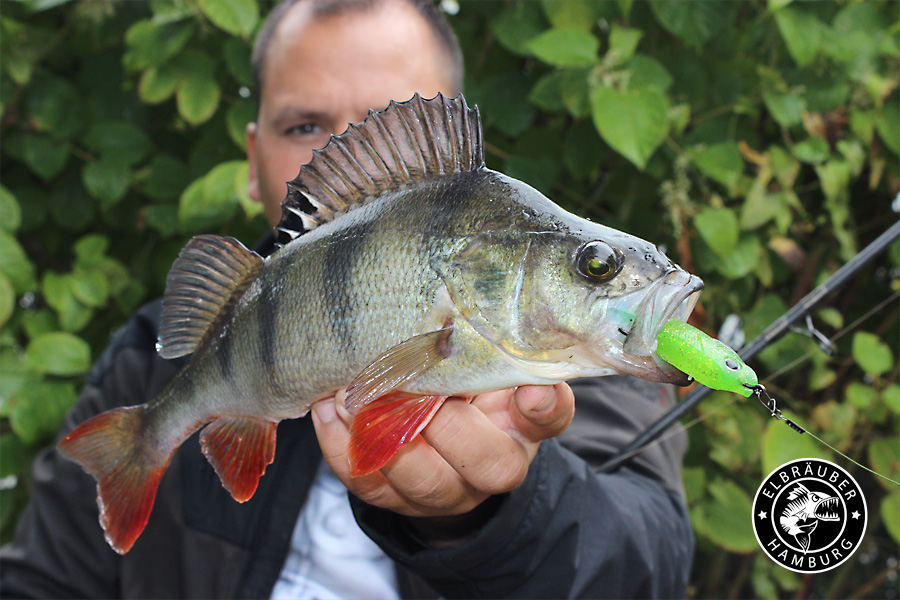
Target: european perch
[{"x": 421, "y": 275}]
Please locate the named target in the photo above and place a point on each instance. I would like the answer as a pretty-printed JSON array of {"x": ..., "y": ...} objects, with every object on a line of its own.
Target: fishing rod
[{"x": 778, "y": 328}]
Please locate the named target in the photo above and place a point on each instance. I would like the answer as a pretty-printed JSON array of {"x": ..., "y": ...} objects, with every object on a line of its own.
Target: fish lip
[{"x": 675, "y": 292}]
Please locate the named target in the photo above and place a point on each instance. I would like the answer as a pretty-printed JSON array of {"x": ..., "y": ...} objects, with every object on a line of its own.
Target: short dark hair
[{"x": 433, "y": 16}]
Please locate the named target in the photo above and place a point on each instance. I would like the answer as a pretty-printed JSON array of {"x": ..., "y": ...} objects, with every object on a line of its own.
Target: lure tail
[{"x": 109, "y": 447}]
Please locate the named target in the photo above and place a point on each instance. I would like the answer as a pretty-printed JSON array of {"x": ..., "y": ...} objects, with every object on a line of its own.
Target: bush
[{"x": 757, "y": 142}]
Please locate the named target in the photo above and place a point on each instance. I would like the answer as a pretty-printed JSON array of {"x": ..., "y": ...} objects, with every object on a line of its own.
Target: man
[{"x": 488, "y": 505}]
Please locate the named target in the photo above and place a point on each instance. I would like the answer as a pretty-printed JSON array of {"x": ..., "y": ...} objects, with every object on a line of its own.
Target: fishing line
[
  {"x": 769, "y": 335},
  {"x": 734, "y": 397},
  {"x": 775, "y": 412}
]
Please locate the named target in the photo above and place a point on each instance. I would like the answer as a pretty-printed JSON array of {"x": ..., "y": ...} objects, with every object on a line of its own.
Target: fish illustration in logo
[{"x": 804, "y": 511}]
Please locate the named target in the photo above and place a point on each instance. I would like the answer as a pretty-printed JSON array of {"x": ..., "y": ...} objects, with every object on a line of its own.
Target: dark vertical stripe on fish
[
  {"x": 224, "y": 354},
  {"x": 267, "y": 314},
  {"x": 338, "y": 267}
]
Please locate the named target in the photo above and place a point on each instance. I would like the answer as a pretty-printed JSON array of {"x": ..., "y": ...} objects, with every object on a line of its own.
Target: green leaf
[
  {"x": 693, "y": 22},
  {"x": 505, "y": 105},
  {"x": 802, "y": 33},
  {"x": 813, "y": 150},
  {"x": 91, "y": 248},
  {"x": 239, "y": 114},
  {"x": 727, "y": 519},
  {"x": 872, "y": 354},
  {"x": 164, "y": 178},
  {"x": 197, "y": 98},
  {"x": 517, "y": 25},
  {"x": 15, "y": 265},
  {"x": 10, "y": 213},
  {"x": 58, "y": 353},
  {"x": 45, "y": 156},
  {"x": 890, "y": 513},
  {"x": 241, "y": 178},
  {"x": 647, "y": 71},
  {"x": 743, "y": 259},
  {"x": 40, "y": 409},
  {"x": 623, "y": 42},
  {"x": 580, "y": 14},
  {"x": 860, "y": 395},
  {"x": 57, "y": 289},
  {"x": 546, "y": 93},
  {"x": 90, "y": 287},
  {"x": 120, "y": 140},
  {"x": 575, "y": 92},
  {"x": 891, "y": 397},
  {"x": 157, "y": 84},
  {"x": 54, "y": 106},
  {"x": 238, "y": 17},
  {"x": 719, "y": 229},
  {"x": 237, "y": 60},
  {"x": 721, "y": 162},
  {"x": 887, "y": 123},
  {"x": 107, "y": 179},
  {"x": 150, "y": 44},
  {"x": 884, "y": 457},
  {"x": 566, "y": 47},
  {"x": 7, "y": 299},
  {"x": 781, "y": 444},
  {"x": 634, "y": 123},
  {"x": 210, "y": 200}
]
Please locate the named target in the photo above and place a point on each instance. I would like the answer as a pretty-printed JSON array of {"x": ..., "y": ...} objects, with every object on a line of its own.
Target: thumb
[{"x": 542, "y": 411}]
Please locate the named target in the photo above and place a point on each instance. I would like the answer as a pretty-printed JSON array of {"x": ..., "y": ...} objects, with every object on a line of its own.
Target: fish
[
  {"x": 804, "y": 511},
  {"x": 705, "y": 359},
  {"x": 406, "y": 272}
]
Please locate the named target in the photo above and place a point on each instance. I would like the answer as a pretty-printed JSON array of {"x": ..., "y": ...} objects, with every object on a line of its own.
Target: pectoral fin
[
  {"x": 381, "y": 427},
  {"x": 404, "y": 362}
]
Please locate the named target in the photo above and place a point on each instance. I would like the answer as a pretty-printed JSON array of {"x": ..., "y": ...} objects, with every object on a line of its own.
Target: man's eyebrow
[{"x": 295, "y": 113}]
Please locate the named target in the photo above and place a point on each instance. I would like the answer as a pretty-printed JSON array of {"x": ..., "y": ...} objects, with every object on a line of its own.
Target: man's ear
[{"x": 253, "y": 177}]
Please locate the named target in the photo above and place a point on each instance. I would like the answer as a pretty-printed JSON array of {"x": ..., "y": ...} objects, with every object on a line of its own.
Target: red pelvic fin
[
  {"x": 107, "y": 446},
  {"x": 239, "y": 449},
  {"x": 381, "y": 427}
]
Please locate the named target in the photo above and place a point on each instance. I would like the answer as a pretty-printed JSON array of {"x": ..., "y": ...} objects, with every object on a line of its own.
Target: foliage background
[{"x": 757, "y": 141}]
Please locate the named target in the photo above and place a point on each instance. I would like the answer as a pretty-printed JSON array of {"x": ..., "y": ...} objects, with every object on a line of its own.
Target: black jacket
[{"x": 566, "y": 532}]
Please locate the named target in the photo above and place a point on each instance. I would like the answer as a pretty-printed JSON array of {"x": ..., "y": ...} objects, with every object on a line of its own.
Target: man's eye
[{"x": 304, "y": 129}]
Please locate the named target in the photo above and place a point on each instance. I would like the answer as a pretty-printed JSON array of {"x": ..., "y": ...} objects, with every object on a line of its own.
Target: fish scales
[{"x": 419, "y": 275}]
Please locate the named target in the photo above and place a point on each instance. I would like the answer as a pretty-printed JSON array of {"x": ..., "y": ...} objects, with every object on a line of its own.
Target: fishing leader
[{"x": 500, "y": 500}]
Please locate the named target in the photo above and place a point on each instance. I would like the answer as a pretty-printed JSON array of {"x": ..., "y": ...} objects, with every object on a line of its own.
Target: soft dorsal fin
[
  {"x": 406, "y": 142},
  {"x": 204, "y": 277}
]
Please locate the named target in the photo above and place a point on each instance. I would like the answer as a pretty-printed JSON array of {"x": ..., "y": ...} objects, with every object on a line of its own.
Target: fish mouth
[
  {"x": 673, "y": 295},
  {"x": 826, "y": 510},
  {"x": 629, "y": 345}
]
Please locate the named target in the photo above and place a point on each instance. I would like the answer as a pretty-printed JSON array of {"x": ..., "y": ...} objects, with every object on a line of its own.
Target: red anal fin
[
  {"x": 107, "y": 446},
  {"x": 381, "y": 427},
  {"x": 239, "y": 449}
]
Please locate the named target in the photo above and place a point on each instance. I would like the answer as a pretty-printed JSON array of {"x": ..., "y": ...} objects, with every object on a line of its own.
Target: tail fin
[{"x": 108, "y": 447}]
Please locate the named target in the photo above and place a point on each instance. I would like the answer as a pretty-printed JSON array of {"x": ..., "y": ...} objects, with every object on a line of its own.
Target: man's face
[{"x": 323, "y": 74}]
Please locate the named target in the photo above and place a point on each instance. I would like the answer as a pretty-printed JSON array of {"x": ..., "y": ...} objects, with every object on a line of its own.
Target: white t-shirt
[{"x": 330, "y": 556}]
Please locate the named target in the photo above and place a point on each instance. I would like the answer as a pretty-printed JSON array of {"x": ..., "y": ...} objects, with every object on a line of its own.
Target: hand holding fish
[{"x": 470, "y": 451}]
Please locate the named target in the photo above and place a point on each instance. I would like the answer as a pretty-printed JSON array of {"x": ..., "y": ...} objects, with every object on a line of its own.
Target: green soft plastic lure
[{"x": 706, "y": 359}]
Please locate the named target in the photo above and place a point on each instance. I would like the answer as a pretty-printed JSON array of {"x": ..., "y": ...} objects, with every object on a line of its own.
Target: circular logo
[{"x": 809, "y": 515}]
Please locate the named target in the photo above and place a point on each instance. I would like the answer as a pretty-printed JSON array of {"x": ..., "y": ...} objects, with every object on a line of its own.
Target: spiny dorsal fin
[
  {"x": 205, "y": 276},
  {"x": 406, "y": 142}
]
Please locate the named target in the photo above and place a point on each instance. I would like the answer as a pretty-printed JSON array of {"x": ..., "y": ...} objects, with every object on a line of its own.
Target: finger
[
  {"x": 333, "y": 435},
  {"x": 540, "y": 412},
  {"x": 485, "y": 456}
]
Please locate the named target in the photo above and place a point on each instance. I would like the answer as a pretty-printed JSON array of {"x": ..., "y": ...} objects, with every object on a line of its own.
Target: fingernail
[{"x": 324, "y": 410}]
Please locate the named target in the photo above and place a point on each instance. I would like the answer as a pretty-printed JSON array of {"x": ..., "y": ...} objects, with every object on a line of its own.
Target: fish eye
[
  {"x": 732, "y": 364},
  {"x": 598, "y": 262}
]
